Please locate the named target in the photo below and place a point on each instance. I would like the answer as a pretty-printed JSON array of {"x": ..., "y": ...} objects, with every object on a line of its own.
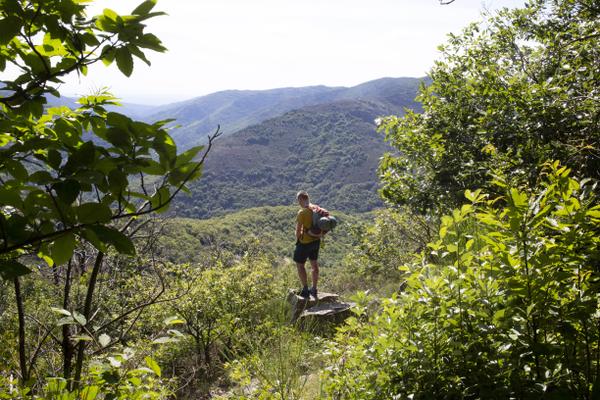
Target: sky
[{"x": 216, "y": 45}]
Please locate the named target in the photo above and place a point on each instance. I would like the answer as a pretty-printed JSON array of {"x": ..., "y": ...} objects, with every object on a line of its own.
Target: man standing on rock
[{"x": 307, "y": 246}]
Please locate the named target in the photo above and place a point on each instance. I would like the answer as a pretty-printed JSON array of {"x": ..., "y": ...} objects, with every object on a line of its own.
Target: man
[{"x": 307, "y": 246}]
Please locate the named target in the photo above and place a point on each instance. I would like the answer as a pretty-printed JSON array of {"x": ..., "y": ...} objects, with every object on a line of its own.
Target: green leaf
[
  {"x": 67, "y": 191},
  {"x": 144, "y": 8},
  {"x": 89, "y": 393},
  {"x": 117, "y": 181},
  {"x": 187, "y": 156},
  {"x": 519, "y": 199},
  {"x": 530, "y": 309},
  {"x": 16, "y": 169},
  {"x": 113, "y": 237},
  {"x": 89, "y": 235},
  {"x": 91, "y": 213},
  {"x": 499, "y": 315},
  {"x": 594, "y": 213},
  {"x": 9, "y": 28},
  {"x": 110, "y": 14},
  {"x": 10, "y": 197},
  {"x": 166, "y": 149},
  {"x": 11, "y": 269},
  {"x": 138, "y": 53},
  {"x": 153, "y": 365},
  {"x": 6, "y": 138},
  {"x": 160, "y": 199},
  {"x": 173, "y": 320},
  {"x": 124, "y": 61},
  {"x": 41, "y": 177},
  {"x": 61, "y": 311},
  {"x": 54, "y": 159},
  {"x": 118, "y": 137},
  {"x": 118, "y": 120},
  {"x": 150, "y": 41},
  {"x": 108, "y": 55},
  {"x": 61, "y": 250},
  {"x": 82, "y": 338},
  {"x": 152, "y": 167}
]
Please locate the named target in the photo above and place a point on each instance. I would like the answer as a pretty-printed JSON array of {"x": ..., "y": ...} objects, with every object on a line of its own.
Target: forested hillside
[
  {"x": 269, "y": 230},
  {"x": 236, "y": 109},
  {"x": 331, "y": 150}
]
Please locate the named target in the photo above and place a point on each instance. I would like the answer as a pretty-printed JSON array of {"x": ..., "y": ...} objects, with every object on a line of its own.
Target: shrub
[{"x": 507, "y": 307}]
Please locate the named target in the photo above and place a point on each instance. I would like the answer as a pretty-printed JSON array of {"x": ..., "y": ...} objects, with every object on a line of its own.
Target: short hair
[{"x": 302, "y": 195}]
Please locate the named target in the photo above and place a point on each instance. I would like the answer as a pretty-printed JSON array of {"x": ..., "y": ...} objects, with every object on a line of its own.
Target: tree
[
  {"x": 510, "y": 93},
  {"x": 76, "y": 176}
]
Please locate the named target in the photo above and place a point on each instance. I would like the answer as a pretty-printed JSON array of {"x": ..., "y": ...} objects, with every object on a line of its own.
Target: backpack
[{"x": 322, "y": 220}]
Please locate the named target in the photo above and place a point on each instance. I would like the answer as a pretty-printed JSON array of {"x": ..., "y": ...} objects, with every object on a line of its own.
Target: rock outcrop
[{"x": 326, "y": 309}]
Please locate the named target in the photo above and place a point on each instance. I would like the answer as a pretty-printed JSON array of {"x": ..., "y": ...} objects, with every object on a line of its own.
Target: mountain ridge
[{"x": 234, "y": 110}]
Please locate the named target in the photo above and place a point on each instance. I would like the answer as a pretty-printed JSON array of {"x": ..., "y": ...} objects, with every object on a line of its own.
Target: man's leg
[
  {"x": 302, "y": 274},
  {"x": 315, "y": 274},
  {"x": 300, "y": 259}
]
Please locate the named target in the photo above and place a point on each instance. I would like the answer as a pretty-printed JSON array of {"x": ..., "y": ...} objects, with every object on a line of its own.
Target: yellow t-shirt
[{"x": 304, "y": 217}]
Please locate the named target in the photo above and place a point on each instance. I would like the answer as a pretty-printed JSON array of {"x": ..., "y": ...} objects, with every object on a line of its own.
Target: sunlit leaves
[
  {"x": 153, "y": 365},
  {"x": 491, "y": 308}
]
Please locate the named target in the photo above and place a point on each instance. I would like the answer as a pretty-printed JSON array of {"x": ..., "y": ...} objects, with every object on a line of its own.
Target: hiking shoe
[
  {"x": 305, "y": 293},
  {"x": 313, "y": 292}
]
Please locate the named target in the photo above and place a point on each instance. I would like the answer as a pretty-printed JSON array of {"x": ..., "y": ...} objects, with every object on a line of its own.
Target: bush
[
  {"x": 118, "y": 377},
  {"x": 507, "y": 307}
]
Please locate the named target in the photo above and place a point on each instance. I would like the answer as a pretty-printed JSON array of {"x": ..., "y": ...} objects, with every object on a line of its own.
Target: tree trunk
[
  {"x": 67, "y": 346},
  {"x": 87, "y": 313},
  {"x": 21, "y": 315}
]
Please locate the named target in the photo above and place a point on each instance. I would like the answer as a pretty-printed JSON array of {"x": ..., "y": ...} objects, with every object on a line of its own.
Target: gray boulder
[{"x": 327, "y": 309}]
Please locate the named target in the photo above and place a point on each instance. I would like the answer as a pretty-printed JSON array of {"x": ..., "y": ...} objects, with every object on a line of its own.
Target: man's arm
[
  {"x": 316, "y": 235},
  {"x": 298, "y": 230}
]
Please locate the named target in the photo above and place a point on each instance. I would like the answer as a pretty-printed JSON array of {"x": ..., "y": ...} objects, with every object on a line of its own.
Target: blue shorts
[{"x": 307, "y": 250}]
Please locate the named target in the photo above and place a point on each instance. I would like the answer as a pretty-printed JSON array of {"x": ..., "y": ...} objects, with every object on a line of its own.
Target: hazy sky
[{"x": 261, "y": 44}]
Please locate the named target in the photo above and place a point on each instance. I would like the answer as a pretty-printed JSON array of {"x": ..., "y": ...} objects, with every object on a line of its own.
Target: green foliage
[
  {"x": 74, "y": 184},
  {"x": 380, "y": 248},
  {"x": 264, "y": 230},
  {"x": 221, "y": 309},
  {"x": 276, "y": 368},
  {"x": 118, "y": 377},
  {"x": 506, "y": 307},
  {"x": 65, "y": 172},
  {"x": 512, "y": 92}
]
